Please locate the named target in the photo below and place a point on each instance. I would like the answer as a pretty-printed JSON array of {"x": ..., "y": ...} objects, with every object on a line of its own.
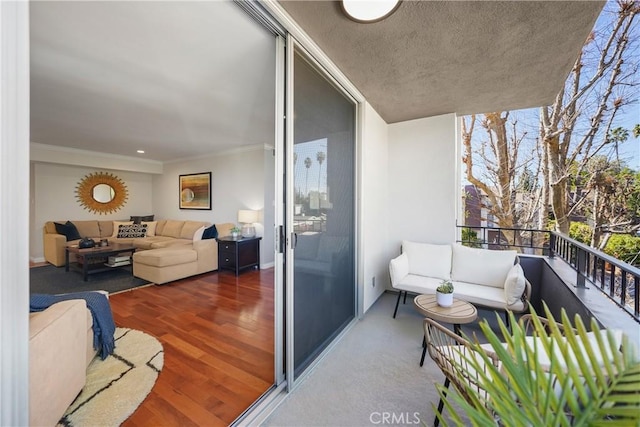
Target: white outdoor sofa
[{"x": 482, "y": 277}]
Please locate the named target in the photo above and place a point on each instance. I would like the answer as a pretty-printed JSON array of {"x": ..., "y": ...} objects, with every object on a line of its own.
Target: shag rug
[{"x": 117, "y": 385}]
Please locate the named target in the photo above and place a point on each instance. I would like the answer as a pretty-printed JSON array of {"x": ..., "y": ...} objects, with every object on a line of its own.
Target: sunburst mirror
[{"x": 101, "y": 192}]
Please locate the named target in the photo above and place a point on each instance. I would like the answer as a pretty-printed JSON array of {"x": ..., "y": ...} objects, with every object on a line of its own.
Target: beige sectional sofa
[
  {"x": 60, "y": 349},
  {"x": 172, "y": 249}
]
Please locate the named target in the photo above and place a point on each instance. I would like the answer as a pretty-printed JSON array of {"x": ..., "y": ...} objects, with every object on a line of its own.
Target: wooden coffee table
[
  {"x": 90, "y": 254},
  {"x": 460, "y": 313}
]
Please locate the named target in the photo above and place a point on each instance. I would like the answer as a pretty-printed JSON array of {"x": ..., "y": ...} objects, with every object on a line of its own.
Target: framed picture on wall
[{"x": 195, "y": 191}]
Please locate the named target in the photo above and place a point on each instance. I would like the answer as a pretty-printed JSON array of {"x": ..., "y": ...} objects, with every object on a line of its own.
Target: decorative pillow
[
  {"x": 68, "y": 230},
  {"x": 137, "y": 219},
  {"x": 132, "y": 230},
  {"x": 151, "y": 227},
  {"x": 481, "y": 266},
  {"x": 210, "y": 233},
  {"x": 198, "y": 234},
  {"x": 514, "y": 284},
  {"x": 116, "y": 227},
  {"x": 429, "y": 260}
]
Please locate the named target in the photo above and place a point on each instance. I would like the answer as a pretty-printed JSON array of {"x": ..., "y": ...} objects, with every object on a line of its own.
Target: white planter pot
[{"x": 444, "y": 300}]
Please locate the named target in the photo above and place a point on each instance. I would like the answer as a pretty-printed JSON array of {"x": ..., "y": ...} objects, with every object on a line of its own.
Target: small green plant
[
  {"x": 235, "y": 230},
  {"x": 446, "y": 287}
]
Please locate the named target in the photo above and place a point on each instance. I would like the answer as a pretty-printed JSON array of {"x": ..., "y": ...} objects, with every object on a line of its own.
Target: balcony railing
[{"x": 618, "y": 280}]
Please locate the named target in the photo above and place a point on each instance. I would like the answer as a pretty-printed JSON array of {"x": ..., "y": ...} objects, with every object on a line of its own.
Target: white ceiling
[
  {"x": 174, "y": 79},
  {"x": 181, "y": 79}
]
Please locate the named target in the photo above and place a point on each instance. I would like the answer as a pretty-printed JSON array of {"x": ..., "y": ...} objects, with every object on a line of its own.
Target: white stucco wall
[
  {"x": 422, "y": 181},
  {"x": 374, "y": 207},
  {"x": 53, "y": 198},
  {"x": 237, "y": 182}
]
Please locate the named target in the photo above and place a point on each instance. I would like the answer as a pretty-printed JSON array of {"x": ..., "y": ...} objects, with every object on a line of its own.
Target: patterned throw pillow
[{"x": 132, "y": 230}]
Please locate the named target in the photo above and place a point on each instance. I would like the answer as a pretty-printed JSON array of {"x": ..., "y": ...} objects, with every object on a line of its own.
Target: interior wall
[
  {"x": 237, "y": 182},
  {"x": 422, "y": 181},
  {"x": 54, "y": 198},
  {"x": 374, "y": 189}
]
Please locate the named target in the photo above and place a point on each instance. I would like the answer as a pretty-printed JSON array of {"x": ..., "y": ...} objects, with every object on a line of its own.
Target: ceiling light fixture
[
  {"x": 140, "y": 151},
  {"x": 368, "y": 11}
]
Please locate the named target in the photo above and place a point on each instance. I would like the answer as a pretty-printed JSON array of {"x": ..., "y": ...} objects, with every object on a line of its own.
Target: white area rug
[{"x": 117, "y": 385}]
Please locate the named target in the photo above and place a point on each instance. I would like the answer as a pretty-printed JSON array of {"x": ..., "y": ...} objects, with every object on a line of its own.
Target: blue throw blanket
[{"x": 103, "y": 324}]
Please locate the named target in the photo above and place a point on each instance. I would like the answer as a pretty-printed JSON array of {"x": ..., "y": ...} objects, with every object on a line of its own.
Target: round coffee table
[{"x": 460, "y": 313}]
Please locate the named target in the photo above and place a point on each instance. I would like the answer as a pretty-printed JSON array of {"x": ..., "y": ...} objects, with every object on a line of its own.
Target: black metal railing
[
  {"x": 617, "y": 279},
  {"x": 530, "y": 241}
]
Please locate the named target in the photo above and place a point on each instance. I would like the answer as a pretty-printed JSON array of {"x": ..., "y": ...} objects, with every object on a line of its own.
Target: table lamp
[{"x": 247, "y": 218}]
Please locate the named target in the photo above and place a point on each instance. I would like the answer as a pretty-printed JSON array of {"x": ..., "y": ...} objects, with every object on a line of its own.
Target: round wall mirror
[{"x": 101, "y": 192}]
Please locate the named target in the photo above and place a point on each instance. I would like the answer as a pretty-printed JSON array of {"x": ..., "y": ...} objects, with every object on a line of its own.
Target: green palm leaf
[{"x": 554, "y": 378}]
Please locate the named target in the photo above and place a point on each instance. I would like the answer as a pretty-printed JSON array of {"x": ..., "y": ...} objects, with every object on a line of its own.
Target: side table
[
  {"x": 460, "y": 312},
  {"x": 238, "y": 253}
]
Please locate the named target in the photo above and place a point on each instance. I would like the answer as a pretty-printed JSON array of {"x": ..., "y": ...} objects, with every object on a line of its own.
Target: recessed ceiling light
[
  {"x": 367, "y": 11},
  {"x": 140, "y": 151}
]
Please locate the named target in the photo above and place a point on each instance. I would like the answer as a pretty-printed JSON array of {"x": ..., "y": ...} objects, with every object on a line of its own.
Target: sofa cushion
[
  {"x": 87, "y": 228},
  {"x": 210, "y": 233},
  {"x": 132, "y": 231},
  {"x": 514, "y": 284},
  {"x": 165, "y": 257},
  {"x": 190, "y": 228},
  {"x": 106, "y": 228},
  {"x": 224, "y": 229},
  {"x": 429, "y": 260},
  {"x": 116, "y": 227},
  {"x": 151, "y": 227},
  {"x": 481, "y": 266},
  {"x": 172, "y": 228},
  {"x": 68, "y": 230},
  {"x": 149, "y": 241}
]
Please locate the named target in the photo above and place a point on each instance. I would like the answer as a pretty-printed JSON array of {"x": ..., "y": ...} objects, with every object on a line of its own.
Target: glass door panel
[{"x": 324, "y": 286}]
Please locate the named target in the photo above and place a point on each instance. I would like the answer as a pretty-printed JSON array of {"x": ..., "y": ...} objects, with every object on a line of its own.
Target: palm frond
[{"x": 561, "y": 375}]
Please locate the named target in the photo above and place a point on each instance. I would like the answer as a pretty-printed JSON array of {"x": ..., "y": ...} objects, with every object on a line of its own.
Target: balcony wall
[{"x": 554, "y": 282}]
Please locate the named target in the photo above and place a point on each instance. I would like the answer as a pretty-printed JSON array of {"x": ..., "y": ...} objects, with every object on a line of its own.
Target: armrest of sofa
[
  {"x": 54, "y": 248},
  {"x": 57, "y": 359},
  {"x": 207, "y": 254},
  {"x": 398, "y": 269}
]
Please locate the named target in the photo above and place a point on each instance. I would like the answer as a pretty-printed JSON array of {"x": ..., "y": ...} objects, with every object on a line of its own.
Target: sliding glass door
[{"x": 321, "y": 209}]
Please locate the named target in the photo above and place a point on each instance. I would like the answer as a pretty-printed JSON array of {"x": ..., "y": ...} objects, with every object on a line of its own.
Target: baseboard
[
  {"x": 267, "y": 265},
  {"x": 36, "y": 260}
]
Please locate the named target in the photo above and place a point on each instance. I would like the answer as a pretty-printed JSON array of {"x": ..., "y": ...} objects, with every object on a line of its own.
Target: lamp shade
[{"x": 247, "y": 216}]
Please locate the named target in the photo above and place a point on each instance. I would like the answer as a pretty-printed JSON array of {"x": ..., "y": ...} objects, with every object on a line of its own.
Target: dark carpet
[{"x": 49, "y": 279}]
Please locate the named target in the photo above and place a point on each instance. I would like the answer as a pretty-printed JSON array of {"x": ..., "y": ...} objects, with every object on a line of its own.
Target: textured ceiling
[
  {"x": 182, "y": 79},
  {"x": 436, "y": 57}
]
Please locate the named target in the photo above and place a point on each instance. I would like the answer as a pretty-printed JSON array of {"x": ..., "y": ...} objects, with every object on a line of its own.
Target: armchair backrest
[{"x": 446, "y": 347}]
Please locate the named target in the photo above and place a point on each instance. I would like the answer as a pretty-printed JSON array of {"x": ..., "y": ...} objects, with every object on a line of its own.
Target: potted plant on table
[
  {"x": 235, "y": 232},
  {"x": 444, "y": 293}
]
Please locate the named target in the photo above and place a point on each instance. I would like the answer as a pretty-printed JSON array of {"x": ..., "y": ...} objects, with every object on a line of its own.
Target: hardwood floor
[{"x": 218, "y": 336}]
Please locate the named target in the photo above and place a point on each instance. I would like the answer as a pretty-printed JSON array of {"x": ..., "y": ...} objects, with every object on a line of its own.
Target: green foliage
[
  {"x": 581, "y": 232},
  {"x": 446, "y": 287},
  {"x": 636, "y": 130},
  {"x": 522, "y": 393},
  {"x": 470, "y": 238},
  {"x": 624, "y": 247}
]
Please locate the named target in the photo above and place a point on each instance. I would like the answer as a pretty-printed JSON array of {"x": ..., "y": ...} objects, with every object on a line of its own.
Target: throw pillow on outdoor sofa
[{"x": 68, "y": 230}]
